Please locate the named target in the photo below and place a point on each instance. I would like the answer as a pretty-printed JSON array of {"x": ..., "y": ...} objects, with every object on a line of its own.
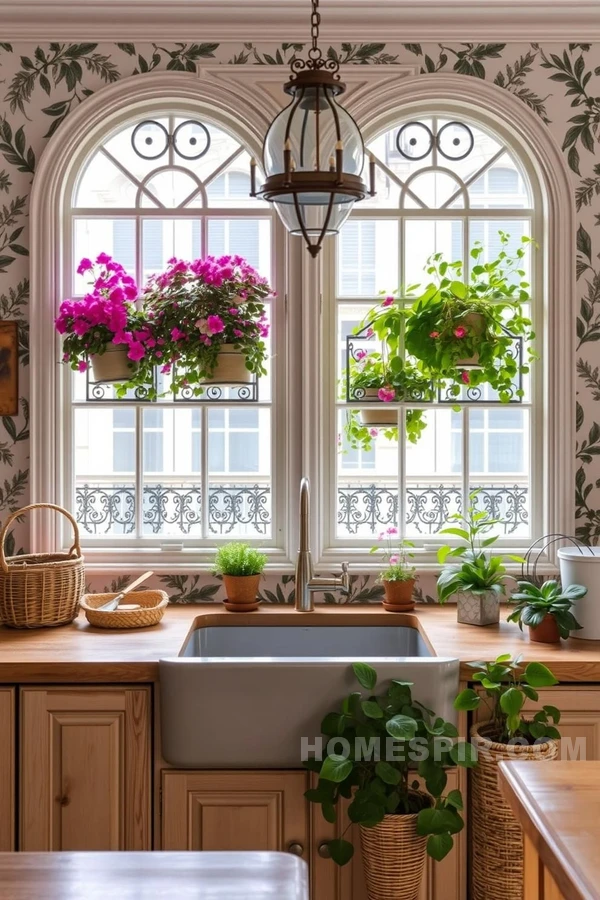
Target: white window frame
[
  {"x": 500, "y": 112},
  {"x": 244, "y": 100}
]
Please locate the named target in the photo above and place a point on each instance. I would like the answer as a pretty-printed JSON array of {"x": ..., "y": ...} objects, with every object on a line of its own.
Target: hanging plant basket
[
  {"x": 377, "y": 418},
  {"x": 112, "y": 365},
  {"x": 230, "y": 368},
  {"x": 476, "y": 323}
]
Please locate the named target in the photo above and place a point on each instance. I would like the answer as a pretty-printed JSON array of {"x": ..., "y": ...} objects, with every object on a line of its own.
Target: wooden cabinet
[
  {"x": 7, "y": 769},
  {"x": 85, "y": 768},
  {"x": 442, "y": 881},
  {"x": 227, "y": 810}
]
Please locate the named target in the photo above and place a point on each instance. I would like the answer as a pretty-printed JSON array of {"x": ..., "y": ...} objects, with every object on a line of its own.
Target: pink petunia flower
[
  {"x": 460, "y": 331},
  {"x": 386, "y": 394},
  {"x": 394, "y": 559},
  {"x": 434, "y": 334},
  {"x": 84, "y": 266},
  {"x": 388, "y": 301},
  {"x": 82, "y": 366},
  {"x": 391, "y": 530},
  {"x": 136, "y": 351},
  {"x": 373, "y": 432},
  {"x": 465, "y": 377},
  {"x": 177, "y": 335},
  {"x": 103, "y": 258},
  {"x": 360, "y": 354},
  {"x": 215, "y": 324}
]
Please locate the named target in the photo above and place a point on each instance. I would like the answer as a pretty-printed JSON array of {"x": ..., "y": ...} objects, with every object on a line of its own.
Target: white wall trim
[
  {"x": 288, "y": 20},
  {"x": 376, "y": 109}
]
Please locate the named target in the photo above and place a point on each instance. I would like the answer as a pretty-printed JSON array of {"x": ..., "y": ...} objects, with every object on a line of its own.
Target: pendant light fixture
[{"x": 313, "y": 154}]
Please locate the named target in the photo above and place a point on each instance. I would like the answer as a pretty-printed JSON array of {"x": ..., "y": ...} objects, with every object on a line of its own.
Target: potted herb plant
[
  {"x": 462, "y": 331},
  {"x": 398, "y": 577},
  {"x": 104, "y": 328},
  {"x": 508, "y": 733},
  {"x": 211, "y": 315},
  {"x": 398, "y": 796},
  {"x": 478, "y": 579},
  {"x": 546, "y": 610},
  {"x": 241, "y": 566}
]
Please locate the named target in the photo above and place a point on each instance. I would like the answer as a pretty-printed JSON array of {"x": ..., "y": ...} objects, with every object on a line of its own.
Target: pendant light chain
[{"x": 315, "y": 22}]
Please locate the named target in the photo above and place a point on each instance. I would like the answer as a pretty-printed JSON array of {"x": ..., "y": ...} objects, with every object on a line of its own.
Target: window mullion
[
  {"x": 204, "y": 473},
  {"x": 466, "y": 465},
  {"x": 139, "y": 472},
  {"x": 401, "y": 524}
]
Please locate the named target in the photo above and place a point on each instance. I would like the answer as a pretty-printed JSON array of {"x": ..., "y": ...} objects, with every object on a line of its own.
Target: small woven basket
[
  {"x": 497, "y": 842},
  {"x": 40, "y": 590},
  {"x": 152, "y": 609},
  {"x": 393, "y": 858}
]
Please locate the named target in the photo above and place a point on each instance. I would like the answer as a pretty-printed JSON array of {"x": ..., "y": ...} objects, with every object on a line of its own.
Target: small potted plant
[
  {"x": 546, "y": 610},
  {"x": 463, "y": 332},
  {"x": 211, "y": 315},
  {"x": 104, "y": 328},
  {"x": 398, "y": 577},
  {"x": 241, "y": 566},
  {"x": 478, "y": 580},
  {"x": 401, "y": 818},
  {"x": 507, "y": 734}
]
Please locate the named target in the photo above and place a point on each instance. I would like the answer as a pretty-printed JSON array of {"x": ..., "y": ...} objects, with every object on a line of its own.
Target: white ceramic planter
[
  {"x": 378, "y": 417},
  {"x": 478, "y": 609},
  {"x": 582, "y": 566},
  {"x": 230, "y": 368},
  {"x": 112, "y": 365}
]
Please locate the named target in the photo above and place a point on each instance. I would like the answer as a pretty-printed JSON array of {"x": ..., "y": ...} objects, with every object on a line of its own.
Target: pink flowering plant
[
  {"x": 461, "y": 330},
  {"x": 105, "y": 317},
  {"x": 197, "y": 307},
  {"x": 396, "y": 556},
  {"x": 394, "y": 380}
]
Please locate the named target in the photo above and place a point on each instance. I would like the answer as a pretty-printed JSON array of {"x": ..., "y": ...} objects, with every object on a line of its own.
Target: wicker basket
[
  {"x": 39, "y": 590},
  {"x": 152, "y": 609},
  {"x": 393, "y": 858},
  {"x": 497, "y": 839}
]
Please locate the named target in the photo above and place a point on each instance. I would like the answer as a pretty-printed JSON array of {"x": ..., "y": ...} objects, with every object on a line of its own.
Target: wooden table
[
  {"x": 152, "y": 876},
  {"x": 558, "y": 807}
]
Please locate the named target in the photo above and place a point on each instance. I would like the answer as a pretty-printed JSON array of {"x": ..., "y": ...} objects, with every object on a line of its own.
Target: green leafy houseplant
[
  {"x": 394, "y": 380},
  {"x": 479, "y": 572},
  {"x": 385, "y": 783},
  {"x": 454, "y": 320},
  {"x": 534, "y": 603},
  {"x": 239, "y": 559},
  {"x": 506, "y": 687}
]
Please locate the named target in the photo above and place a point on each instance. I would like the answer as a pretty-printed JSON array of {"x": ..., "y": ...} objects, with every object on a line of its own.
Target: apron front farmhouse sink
[{"x": 246, "y": 695}]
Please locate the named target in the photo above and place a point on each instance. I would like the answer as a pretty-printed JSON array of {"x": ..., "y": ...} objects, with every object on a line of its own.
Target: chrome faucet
[{"x": 306, "y": 581}]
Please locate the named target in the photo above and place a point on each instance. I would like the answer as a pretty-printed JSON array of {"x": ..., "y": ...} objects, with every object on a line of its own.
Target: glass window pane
[
  {"x": 243, "y": 451},
  {"x": 422, "y": 237},
  {"x": 250, "y": 238},
  {"x": 93, "y": 236},
  {"x": 367, "y": 258},
  {"x": 244, "y": 417},
  {"x": 433, "y": 472},
  {"x": 164, "y": 238}
]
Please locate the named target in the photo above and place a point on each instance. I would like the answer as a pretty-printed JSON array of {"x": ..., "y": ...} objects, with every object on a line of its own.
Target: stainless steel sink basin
[{"x": 245, "y": 696}]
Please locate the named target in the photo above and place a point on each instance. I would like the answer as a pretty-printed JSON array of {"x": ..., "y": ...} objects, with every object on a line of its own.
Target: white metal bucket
[{"x": 582, "y": 566}]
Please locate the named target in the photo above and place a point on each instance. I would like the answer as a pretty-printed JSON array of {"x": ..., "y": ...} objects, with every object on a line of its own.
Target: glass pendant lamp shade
[{"x": 313, "y": 154}]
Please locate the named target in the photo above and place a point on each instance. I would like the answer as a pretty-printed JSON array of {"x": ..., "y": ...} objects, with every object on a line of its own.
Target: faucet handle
[{"x": 345, "y": 579}]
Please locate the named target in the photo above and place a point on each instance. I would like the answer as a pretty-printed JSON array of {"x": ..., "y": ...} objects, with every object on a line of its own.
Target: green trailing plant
[
  {"x": 479, "y": 572},
  {"x": 505, "y": 689},
  {"x": 413, "y": 742},
  {"x": 239, "y": 559},
  {"x": 394, "y": 380},
  {"x": 456, "y": 319},
  {"x": 396, "y": 555},
  {"x": 534, "y": 603}
]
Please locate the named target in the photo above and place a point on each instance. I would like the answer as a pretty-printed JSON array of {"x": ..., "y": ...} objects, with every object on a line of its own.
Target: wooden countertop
[
  {"x": 81, "y": 653},
  {"x": 152, "y": 876},
  {"x": 557, "y": 806}
]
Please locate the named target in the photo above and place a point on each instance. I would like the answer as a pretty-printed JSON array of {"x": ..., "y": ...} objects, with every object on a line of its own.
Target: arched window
[{"x": 444, "y": 185}]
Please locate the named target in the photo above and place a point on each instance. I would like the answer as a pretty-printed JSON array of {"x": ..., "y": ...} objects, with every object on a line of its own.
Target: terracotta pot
[
  {"x": 478, "y": 609},
  {"x": 378, "y": 418},
  {"x": 241, "y": 592},
  {"x": 475, "y": 323},
  {"x": 393, "y": 858},
  {"x": 112, "y": 365},
  {"x": 399, "y": 595},
  {"x": 497, "y": 838},
  {"x": 230, "y": 368},
  {"x": 546, "y": 632}
]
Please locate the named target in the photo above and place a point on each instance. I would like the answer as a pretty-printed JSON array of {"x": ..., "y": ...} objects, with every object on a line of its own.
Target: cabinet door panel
[
  {"x": 85, "y": 769},
  {"x": 7, "y": 768},
  {"x": 227, "y": 810}
]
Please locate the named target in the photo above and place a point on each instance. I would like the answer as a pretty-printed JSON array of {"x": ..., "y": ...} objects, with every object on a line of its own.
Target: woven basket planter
[
  {"x": 39, "y": 590},
  {"x": 393, "y": 858},
  {"x": 111, "y": 366},
  {"x": 230, "y": 368},
  {"x": 497, "y": 838}
]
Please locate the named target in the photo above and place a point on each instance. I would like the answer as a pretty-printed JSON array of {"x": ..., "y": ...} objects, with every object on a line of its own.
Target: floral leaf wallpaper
[{"x": 40, "y": 84}]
